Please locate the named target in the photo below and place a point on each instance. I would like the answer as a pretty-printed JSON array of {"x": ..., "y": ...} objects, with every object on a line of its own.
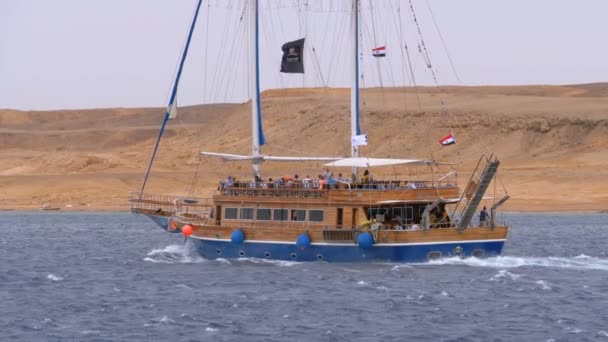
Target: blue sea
[{"x": 119, "y": 277}]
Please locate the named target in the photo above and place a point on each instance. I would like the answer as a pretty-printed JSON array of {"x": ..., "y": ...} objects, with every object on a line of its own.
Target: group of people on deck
[{"x": 325, "y": 180}]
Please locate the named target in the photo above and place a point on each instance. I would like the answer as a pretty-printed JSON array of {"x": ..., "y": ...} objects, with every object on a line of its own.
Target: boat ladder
[{"x": 475, "y": 191}]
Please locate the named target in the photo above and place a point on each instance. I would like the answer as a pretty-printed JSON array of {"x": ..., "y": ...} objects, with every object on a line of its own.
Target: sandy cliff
[{"x": 552, "y": 141}]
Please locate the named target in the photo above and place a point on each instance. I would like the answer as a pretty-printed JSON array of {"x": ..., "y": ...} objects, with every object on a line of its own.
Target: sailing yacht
[{"x": 334, "y": 220}]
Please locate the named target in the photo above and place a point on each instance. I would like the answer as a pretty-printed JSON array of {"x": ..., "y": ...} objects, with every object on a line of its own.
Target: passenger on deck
[
  {"x": 307, "y": 182},
  {"x": 327, "y": 174},
  {"x": 322, "y": 182},
  {"x": 366, "y": 177},
  {"x": 444, "y": 218},
  {"x": 397, "y": 222},
  {"x": 297, "y": 182},
  {"x": 227, "y": 184},
  {"x": 433, "y": 218},
  {"x": 341, "y": 178},
  {"x": 483, "y": 218},
  {"x": 270, "y": 183}
]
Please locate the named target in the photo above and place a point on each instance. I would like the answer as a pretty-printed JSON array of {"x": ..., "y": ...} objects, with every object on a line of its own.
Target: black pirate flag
[{"x": 292, "y": 61}]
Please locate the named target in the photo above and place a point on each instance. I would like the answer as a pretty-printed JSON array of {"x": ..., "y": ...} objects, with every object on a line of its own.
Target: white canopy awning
[
  {"x": 371, "y": 162},
  {"x": 236, "y": 157},
  {"x": 442, "y": 200}
]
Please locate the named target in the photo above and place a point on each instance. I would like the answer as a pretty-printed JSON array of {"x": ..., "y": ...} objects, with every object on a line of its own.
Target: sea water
[{"x": 119, "y": 277}]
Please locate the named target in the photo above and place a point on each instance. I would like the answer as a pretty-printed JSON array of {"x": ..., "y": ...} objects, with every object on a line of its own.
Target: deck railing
[
  {"x": 170, "y": 204},
  {"x": 314, "y": 190}
]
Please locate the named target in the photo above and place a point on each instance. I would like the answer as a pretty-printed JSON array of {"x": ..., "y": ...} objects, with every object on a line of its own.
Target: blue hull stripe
[
  {"x": 352, "y": 243},
  {"x": 213, "y": 249}
]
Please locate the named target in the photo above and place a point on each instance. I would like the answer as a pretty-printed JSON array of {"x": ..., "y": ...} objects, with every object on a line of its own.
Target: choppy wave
[
  {"x": 582, "y": 262},
  {"x": 173, "y": 254},
  {"x": 283, "y": 263},
  {"x": 53, "y": 277}
]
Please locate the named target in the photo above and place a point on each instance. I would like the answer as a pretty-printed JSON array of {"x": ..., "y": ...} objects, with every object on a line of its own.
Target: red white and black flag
[
  {"x": 448, "y": 139},
  {"x": 293, "y": 53},
  {"x": 379, "y": 51}
]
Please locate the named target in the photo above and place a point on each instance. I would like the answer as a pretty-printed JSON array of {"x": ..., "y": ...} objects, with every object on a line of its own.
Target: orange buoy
[
  {"x": 187, "y": 230},
  {"x": 173, "y": 225}
]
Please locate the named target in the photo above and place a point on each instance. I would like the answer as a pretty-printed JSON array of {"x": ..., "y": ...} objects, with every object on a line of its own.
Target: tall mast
[
  {"x": 257, "y": 134},
  {"x": 172, "y": 107},
  {"x": 354, "y": 91}
]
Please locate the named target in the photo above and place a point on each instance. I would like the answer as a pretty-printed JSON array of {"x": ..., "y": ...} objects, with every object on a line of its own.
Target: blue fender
[
  {"x": 303, "y": 241},
  {"x": 365, "y": 240},
  {"x": 237, "y": 237}
]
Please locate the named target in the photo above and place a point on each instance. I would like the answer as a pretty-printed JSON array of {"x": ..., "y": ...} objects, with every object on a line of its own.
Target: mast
[
  {"x": 257, "y": 134},
  {"x": 172, "y": 107},
  {"x": 354, "y": 92}
]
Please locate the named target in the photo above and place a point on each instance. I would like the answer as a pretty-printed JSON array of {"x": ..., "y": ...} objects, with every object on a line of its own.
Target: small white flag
[
  {"x": 359, "y": 140},
  {"x": 172, "y": 110}
]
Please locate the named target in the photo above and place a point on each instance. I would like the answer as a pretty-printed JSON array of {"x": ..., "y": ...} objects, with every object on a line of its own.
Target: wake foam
[
  {"x": 175, "y": 254},
  {"x": 53, "y": 277},
  {"x": 282, "y": 263},
  {"x": 581, "y": 262}
]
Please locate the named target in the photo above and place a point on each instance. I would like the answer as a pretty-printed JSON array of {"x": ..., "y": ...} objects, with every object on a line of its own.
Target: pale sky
[{"x": 123, "y": 53}]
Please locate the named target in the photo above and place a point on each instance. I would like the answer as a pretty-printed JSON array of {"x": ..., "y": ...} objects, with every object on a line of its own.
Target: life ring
[{"x": 173, "y": 225}]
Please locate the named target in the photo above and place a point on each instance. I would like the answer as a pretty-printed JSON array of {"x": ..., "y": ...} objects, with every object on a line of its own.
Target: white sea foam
[
  {"x": 444, "y": 293},
  {"x": 602, "y": 333},
  {"x": 166, "y": 320},
  {"x": 398, "y": 267},
  {"x": 53, "y": 277},
  {"x": 210, "y": 329},
  {"x": 574, "y": 330},
  {"x": 581, "y": 262},
  {"x": 361, "y": 282},
  {"x": 90, "y": 332},
  {"x": 504, "y": 274},
  {"x": 282, "y": 263},
  {"x": 173, "y": 254},
  {"x": 544, "y": 285}
]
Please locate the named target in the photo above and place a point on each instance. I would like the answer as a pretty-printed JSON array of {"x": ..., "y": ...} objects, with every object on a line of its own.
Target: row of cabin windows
[
  {"x": 407, "y": 214},
  {"x": 265, "y": 214}
]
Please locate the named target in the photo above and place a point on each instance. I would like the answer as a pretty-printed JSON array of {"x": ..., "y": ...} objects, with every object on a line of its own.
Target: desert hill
[{"x": 552, "y": 141}]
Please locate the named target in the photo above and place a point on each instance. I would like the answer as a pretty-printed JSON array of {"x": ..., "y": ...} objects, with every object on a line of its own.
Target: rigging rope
[
  {"x": 445, "y": 47},
  {"x": 173, "y": 96}
]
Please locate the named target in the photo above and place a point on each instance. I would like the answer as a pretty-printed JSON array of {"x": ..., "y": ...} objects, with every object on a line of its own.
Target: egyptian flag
[
  {"x": 379, "y": 51},
  {"x": 293, "y": 53},
  {"x": 448, "y": 140}
]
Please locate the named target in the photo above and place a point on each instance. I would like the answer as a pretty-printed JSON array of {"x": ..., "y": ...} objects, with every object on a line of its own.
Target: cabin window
[
  {"x": 246, "y": 213},
  {"x": 315, "y": 215},
  {"x": 281, "y": 214},
  {"x": 398, "y": 212},
  {"x": 298, "y": 215},
  {"x": 262, "y": 214},
  {"x": 231, "y": 213},
  {"x": 374, "y": 212},
  {"x": 409, "y": 215}
]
